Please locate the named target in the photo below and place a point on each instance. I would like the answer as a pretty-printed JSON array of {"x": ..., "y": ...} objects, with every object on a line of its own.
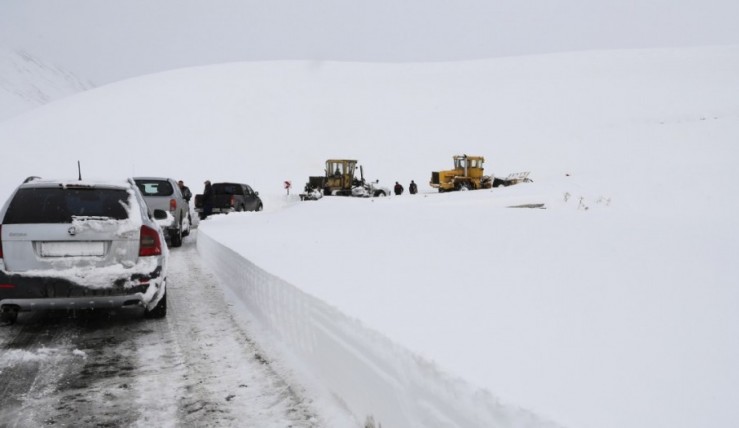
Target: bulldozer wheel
[{"x": 463, "y": 186}]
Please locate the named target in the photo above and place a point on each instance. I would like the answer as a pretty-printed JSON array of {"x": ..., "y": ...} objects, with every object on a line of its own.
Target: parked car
[
  {"x": 80, "y": 245},
  {"x": 230, "y": 197},
  {"x": 164, "y": 194}
]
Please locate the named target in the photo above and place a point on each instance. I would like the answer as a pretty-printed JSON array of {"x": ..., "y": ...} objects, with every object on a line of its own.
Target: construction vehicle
[
  {"x": 468, "y": 174},
  {"x": 339, "y": 180}
]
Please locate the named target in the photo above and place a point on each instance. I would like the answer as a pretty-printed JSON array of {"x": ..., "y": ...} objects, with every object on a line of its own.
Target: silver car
[
  {"x": 79, "y": 245},
  {"x": 164, "y": 194}
]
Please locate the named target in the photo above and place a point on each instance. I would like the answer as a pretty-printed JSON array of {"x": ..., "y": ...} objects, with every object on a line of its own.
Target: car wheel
[
  {"x": 260, "y": 207},
  {"x": 380, "y": 193},
  {"x": 8, "y": 317},
  {"x": 176, "y": 237},
  {"x": 160, "y": 310}
]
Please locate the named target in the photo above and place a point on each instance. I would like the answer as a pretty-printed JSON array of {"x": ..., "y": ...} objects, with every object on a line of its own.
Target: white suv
[
  {"x": 164, "y": 194},
  {"x": 78, "y": 245}
]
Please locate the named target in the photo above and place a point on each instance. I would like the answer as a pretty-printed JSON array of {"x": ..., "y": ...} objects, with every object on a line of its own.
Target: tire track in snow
[
  {"x": 214, "y": 373},
  {"x": 114, "y": 368},
  {"x": 60, "y": 366}
]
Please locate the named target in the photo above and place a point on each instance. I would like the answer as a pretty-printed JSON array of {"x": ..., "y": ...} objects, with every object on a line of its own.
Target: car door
[{"x": 251, "y": 199}]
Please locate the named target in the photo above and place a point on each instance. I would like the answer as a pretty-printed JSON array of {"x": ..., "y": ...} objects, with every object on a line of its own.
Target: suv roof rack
[{"x": 31, "y": 178}]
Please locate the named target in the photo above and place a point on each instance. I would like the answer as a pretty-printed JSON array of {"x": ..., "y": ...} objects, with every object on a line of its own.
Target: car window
[
  {"x": 155, "y": 187},
  {"x": 58, "y": 205},
  {"x": 227, "y": 189}
]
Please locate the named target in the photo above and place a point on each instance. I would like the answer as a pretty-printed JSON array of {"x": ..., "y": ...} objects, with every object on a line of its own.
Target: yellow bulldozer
[{"x": 469, "y": 174}]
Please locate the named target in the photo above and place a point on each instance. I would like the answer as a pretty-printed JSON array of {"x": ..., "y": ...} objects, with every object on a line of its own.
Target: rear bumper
[
  {"x": 91, "y": 302},
  {"x": 27, "y": 293},
  {"x": 216, "y": 210}
]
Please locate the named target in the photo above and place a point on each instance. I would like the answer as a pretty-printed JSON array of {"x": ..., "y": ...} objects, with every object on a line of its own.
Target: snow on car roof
[{"x": 43, "y": 182}]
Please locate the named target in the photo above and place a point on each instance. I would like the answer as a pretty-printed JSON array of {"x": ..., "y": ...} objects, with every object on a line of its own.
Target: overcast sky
[{"x": 106, "y": 40}]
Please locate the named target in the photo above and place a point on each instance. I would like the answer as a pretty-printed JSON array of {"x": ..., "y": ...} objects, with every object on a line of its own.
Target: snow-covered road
[{"x": 197, "y": 367}]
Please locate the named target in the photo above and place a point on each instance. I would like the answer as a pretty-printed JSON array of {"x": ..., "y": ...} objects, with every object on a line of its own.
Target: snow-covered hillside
[
  {"x": 616, "y": 306},
  {"x": 27, "y": 82}
]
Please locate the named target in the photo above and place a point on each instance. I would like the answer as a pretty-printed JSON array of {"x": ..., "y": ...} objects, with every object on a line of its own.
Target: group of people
[
  {"x": 207, "y": 197},
  {"x": 412, "y": 188}
]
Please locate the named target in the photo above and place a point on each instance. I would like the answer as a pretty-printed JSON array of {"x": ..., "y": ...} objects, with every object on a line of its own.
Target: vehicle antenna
[{"x": 79, "y": 170}]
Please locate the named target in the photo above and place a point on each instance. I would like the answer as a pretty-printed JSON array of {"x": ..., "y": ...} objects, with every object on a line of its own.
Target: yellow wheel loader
[{"x": 468, "y": 174}]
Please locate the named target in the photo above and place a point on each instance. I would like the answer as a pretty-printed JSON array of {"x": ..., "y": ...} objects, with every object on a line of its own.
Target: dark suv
[
  {"x": 80, "y": 244},
  {"x": 230, "y": 197}
]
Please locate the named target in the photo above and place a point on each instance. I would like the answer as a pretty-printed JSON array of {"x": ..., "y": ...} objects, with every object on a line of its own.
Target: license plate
[{"x": 72, "y": 249}]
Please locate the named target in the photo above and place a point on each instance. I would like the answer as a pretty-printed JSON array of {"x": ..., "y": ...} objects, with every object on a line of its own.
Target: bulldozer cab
[{"x": 469, "y": 166}]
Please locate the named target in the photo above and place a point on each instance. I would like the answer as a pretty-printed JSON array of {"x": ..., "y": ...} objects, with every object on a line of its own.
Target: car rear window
[
  {"x": 58, "y": 205},
  {"x": 227, "y": 189},
  {"x": 155, "y": 187}
]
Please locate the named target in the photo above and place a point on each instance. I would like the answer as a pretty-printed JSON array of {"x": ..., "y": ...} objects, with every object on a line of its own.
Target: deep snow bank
[{"x": 371, "y": 376}]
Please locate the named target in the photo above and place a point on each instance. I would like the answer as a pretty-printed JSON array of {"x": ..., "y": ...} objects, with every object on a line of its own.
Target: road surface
[{"x": 196, "y": 367}]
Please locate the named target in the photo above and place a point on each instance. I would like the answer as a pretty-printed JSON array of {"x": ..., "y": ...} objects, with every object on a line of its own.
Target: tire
[
  {"x": 160, "y": 310},
  {"x": 463, "y": 186},
  {"x": 380, "y": 193},
  {"x": 176, "y": 237},
  {"x": 260, "y": 207},
  {"x": 8, "y": 317}
]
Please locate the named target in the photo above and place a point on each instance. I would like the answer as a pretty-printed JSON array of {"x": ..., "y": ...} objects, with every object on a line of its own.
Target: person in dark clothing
[
  {"x": 398, "y": 188},
  {"x": 207, "y": 201},
  {"x": 186, "y": 193},
  {"x": 413, "y": 188}
]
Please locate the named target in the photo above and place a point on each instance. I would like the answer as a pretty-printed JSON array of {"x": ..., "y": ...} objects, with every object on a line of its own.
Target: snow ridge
[{"x": 397, "y": 388}]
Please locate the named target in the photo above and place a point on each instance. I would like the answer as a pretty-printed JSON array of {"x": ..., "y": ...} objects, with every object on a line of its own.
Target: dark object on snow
[
  {"x": 207, "y": 201},
  {"x": 413, "y": 188},
  {"x": 398, "y": 188}
]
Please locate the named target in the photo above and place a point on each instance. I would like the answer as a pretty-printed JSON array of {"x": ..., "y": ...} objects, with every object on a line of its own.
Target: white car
[
  {"x": 164, "y": 194},
  {"x": 80, "y": 245}
]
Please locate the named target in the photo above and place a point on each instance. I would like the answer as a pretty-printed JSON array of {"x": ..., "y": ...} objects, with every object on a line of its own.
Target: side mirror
[
  {"x": 160, "y": 214},
  {"x": 256, "y": 193}
]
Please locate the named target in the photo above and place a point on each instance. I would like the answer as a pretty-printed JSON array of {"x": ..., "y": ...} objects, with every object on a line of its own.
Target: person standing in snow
[
  {"x": 413, "y": 188},
  {"x": 207, "y": 201},
  {"x": 186, "y": 193},
  {"x": 398, "y": 188}
]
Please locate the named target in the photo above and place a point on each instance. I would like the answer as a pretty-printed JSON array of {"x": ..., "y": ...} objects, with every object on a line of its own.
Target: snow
[
  {"x": 614, "y": 306},
  {"x": 27, "y": 82}
]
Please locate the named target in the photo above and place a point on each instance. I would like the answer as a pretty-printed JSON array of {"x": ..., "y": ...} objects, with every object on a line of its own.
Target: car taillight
[
  {"x": 1, "y": 241},
  {"x": 149, "y": 242},
  {"x": 233, "y": 200},
  {"x": 173, "y": 205}
]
